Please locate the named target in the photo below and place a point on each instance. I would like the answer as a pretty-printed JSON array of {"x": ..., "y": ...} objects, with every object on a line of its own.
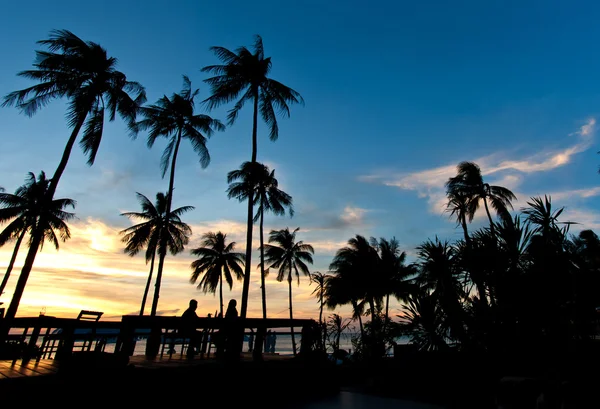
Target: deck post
[
  {"x": 32, "y": 345},
  {"x": 125, "y": 341},
  {"x": 65, "y": 349},
  {"x": 153, "y": 341},
  {"x": 257, "y": 351}
]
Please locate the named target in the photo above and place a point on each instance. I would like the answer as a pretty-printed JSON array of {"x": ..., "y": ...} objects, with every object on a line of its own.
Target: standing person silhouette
[{"x": 230, "y": 327}]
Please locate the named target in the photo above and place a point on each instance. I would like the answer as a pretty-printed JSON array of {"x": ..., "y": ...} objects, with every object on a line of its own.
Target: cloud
[{"x": 430, "y": 183}]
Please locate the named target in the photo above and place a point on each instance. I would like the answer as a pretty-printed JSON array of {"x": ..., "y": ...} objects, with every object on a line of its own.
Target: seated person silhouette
[{"x": 189, "y": 320}]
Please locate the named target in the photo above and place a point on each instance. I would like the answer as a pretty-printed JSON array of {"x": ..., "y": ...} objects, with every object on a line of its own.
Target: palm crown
[
  {"x": 246, "y": 73},
  {"x": 30, "y": 209},
  {"x": 154, "y": 220},
  {"x": 174, "y": 118},
  {"x": 216, "y": 261},
  {"x": 82, "y": 72}
]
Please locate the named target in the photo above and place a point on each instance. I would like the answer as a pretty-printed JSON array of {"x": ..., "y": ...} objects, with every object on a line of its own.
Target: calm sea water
[{"x": 283, "y": 344}]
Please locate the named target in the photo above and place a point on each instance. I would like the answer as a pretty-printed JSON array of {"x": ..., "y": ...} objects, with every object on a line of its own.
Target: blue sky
[{"x": 397, "y": 93}]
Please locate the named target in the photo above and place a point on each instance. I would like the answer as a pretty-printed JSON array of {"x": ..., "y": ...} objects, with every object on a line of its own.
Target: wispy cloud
[{"x": 429, "y": 183}]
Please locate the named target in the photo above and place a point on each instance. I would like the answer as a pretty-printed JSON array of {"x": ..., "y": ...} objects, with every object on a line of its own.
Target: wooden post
[
  {"x": 65, "y": 349},
  {"x": 259, "y": 343},
  {"x": 125, "y": 341},
  {"x": 32, "y": 345}
]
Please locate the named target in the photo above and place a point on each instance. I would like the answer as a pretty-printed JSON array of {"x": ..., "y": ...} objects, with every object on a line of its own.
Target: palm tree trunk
[
  {"x": 487, "y": 210},
  {"x": 147, "y": 285},
  {"x": 360, "y": 324},
  {"x": 162, "y": 253},
  {"x": 262, "y": 265},
  {"x": 221, "y": 294},
  {"x": 463, "y": 222},
  {"x": 387, "y": 309},
  {"x": 291, "y": 314},
  {"x": 321, "y": 326},
  {"x": 250, "y": 222},
  {"x": 12, "y": 261},
  {"x": 37, "y": 236}
]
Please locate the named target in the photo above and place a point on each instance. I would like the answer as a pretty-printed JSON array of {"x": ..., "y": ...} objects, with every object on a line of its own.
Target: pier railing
[{"x": 44, "y": 336}]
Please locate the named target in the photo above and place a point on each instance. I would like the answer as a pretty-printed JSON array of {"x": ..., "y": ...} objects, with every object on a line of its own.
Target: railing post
[
  {"x": 125, "y": 340},
  {"x": 65, "y": 349},
  {"x": 153, "y": 341},
  {"x": 32, "y": 345},
  {"x": 259, "y": 342}
]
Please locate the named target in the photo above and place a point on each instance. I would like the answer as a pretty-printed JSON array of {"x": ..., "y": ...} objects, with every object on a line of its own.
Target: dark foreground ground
[{"x": 453, "y": 381}]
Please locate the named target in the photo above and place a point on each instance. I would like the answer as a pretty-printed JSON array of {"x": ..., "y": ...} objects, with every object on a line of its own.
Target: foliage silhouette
[
  {"x": 147, "y": 234},
  {"x": 82, "y": 72},
  {"x": 246, "y": 73},
  {"x": 289, "y": 256},
  {"x": 216, "y": 260},
  {"x": 29, "y": 211},
  {"x": 257, "y": 180},
  {"x": 174, "y": 118}
]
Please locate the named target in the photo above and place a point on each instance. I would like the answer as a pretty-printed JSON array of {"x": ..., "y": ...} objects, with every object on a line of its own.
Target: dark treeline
[{"x": 521, "y": 282}]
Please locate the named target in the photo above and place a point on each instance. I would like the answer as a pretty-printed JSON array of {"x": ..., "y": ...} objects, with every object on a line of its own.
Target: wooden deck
[
  {"x": 32, "y": 368},
  {"x": 18, "y": 369}
]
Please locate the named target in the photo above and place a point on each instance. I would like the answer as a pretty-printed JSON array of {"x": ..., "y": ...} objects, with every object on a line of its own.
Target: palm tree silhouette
[
  {"x": 289, "y": 257},
  {"x": 396, "y": 274},
  {"x": 216, "y": 260},
  {"x": 256, "y": 177},
  {"x": 246, "y": 73},
  {"x": 30, "y": 212},
  {"x": 82, "y": 72},
  {"x": 458, "y": 206},
  {"x": 174, "y": 118},
  {"x": 468, "y": 185},
  {"x": 358, "y": 265},
  {"x": 320, "y": 280},
  {"x": 438, "y": 275},
  {"x": 147, "y": 234}
]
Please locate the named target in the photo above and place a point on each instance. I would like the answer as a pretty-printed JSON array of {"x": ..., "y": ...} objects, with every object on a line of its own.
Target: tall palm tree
[
  {"x": 289, "y": 257},
  {"x": 359, "y": 263},
  {"x": 30, "y": 212},
  {"x": 258, "y": 178},
  {"x": 396, "y": 273},
  {"x": 82, "y": 72},
  {"x": 246, "y": 73},
  {"x": 147, "y": 233},
  {"x": 174, "y": 119},
  {"x": 469, "y": 182},
  {"x": 458, "y": 206},
  {"x": 438, "y": 275},
  {"x": 320, "y": 280},
  {"x": 216, "y": 260}
]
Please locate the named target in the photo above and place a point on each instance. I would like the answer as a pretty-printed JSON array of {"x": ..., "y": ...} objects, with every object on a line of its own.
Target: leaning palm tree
[
  {"x": 216, "y": 261},
  {"x": 20, "y": 208},
  {"x": 31, "y": 212},
  {"x": 147, "y": 233},
  {"x": 289, "y": 257},
  {"x": 82, "y": 72},
  {"x": 258, "y": 178},
  {"x": 458, "y": 206},
  {"x": 468, "y": 185},
  {"x": 174, "y": 119},
  {"x": 246, "y": 73}
]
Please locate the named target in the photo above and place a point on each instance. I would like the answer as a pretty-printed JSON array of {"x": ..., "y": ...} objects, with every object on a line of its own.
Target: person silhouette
[
  {"x": 251, "y": 340},
  {"x": 189, "y": 320},
  {"x": 230, "y": 331}
]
